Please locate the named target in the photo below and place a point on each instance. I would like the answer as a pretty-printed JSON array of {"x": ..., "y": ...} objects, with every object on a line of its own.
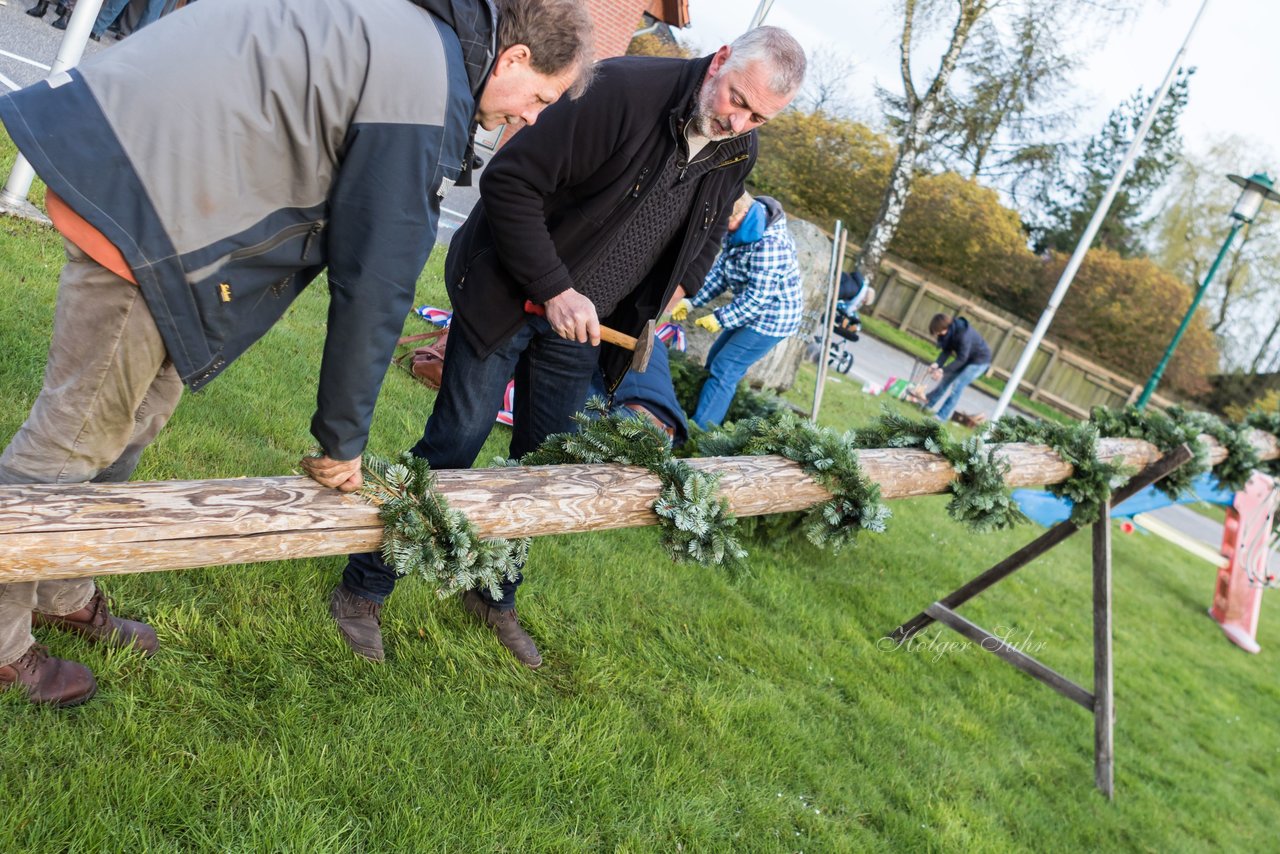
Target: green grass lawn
[
  {"x": 679, "y": 710},
  {"x": 1213, "y": 512}
]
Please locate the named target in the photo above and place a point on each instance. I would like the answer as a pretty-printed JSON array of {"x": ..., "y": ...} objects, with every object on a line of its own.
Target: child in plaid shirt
[{"x": 758, "y": 263}]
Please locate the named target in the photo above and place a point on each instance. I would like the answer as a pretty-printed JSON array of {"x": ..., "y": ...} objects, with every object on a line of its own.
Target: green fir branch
[
  {"x": 828, "y": 457},
  {"x": 424, "y": 536},
  {"x": 1268, "y": 422},
  {"x": 980, "y": 498},
  {"x": 1163, "y": 432},
  {"x": 1242, "y": 457},
  {"x": 1092, "y": 480},
  {"x": 695, "y": 521}
]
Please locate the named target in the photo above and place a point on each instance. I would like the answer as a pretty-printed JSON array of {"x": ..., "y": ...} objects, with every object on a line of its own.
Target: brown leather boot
[
  {"x": 94, "y": 622},
  {"x": 506, "y": 625},
  {"x": 359, "y": 621},
  {"x": 55, "y": 681}
]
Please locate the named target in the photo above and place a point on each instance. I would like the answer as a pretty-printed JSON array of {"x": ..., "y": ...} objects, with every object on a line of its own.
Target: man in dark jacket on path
[
  {"x": 602, "y": 213},
  {"x": 203, "y": 173},
  {"x": 972, "y": 359}
]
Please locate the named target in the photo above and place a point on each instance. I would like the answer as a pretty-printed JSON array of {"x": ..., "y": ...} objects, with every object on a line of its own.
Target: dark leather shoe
[
  {"x": 38, "y": 10},
  {"x": 55, "y": 681},
  {"x": 506, "y": 625},
  {"x": 94, "y": 622},
  {"x": 360, "y": 622}
]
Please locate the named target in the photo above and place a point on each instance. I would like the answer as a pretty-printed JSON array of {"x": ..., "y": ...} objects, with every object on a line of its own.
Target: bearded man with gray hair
[{"x": 604, "y": 212}]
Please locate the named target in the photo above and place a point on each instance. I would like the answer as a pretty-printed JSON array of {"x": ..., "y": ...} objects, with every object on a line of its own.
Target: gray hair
[{"x": 778, "y": 50}]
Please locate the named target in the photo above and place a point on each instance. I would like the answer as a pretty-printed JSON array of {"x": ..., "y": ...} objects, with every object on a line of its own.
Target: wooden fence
[{"x": 1056, "y": 376}]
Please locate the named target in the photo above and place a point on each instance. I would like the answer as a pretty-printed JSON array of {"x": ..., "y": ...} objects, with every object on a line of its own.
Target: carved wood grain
[{"x": 65, "y": 531}]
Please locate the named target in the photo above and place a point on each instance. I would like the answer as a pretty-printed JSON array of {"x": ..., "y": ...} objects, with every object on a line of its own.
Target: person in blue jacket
[
  {"x": 649, "y": 395},
  {"x": 970, "y": 358}
]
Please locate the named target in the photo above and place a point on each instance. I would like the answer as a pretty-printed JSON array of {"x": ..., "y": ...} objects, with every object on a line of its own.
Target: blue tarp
[{"x": 1047, "y": 510}]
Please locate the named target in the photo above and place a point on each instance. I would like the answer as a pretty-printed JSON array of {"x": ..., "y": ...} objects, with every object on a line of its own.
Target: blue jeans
[
  {"x": 730, "y": 356},
  {"x": 111, "y": 10},
  {"x": 953, "y": 388},
  {"x": 552, "y": 375}
]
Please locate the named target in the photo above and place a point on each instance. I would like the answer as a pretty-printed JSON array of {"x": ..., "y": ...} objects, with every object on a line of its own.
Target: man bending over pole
[
  {"x": 597, "y": 215},
  {"x": 203, "y": 173}
]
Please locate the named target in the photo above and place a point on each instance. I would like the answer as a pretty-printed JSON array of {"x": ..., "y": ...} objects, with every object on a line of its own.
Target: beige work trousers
[{"x": 108, "y": 389}]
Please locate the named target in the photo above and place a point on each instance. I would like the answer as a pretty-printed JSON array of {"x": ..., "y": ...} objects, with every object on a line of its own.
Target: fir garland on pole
[
  {"x": 828, "y": 457},
  {"x": 1268, "y": 422},
  {"x": 979, "y": 497},
  {"x": 696, "y": 522},
  {"x": 1092, "y": 480},
  {"x": 424, "y": 536},
  {"x": 1163, "y": 432},
  {"x": 1242, "y": 457}
]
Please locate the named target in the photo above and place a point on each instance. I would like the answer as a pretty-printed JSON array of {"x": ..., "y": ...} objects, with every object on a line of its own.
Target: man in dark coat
[
  {"x": 602, "y": 213},
  {"x": 972, "y": 359},
  {"x": 203, "y": 173}
]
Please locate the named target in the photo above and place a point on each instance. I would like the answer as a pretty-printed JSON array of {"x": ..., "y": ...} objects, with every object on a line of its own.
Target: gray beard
[{"x": 703, "y": 123}]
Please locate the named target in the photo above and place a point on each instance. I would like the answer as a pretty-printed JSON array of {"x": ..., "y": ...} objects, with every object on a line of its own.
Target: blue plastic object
[{"x": 1047, "y": 510}]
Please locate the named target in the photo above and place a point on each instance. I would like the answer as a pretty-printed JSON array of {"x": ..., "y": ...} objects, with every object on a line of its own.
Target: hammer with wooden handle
[{"x": 641, "y": 348}]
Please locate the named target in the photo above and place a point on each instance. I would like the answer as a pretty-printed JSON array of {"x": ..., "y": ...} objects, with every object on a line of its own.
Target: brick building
[{"x": 617, "y": 20}]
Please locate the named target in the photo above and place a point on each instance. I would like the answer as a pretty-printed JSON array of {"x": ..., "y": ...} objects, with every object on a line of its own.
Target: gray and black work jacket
[{"x": 233, "y": 150}]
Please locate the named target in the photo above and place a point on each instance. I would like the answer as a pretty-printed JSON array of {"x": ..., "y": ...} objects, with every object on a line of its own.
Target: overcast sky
[{"x": 1236, "y": 89}]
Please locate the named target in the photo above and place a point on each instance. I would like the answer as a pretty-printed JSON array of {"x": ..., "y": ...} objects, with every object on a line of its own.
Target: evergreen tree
[{"x": 1067, "y": 213}]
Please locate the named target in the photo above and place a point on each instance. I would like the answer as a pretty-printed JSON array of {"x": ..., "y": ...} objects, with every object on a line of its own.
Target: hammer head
[{"x": 644, "y": 348}]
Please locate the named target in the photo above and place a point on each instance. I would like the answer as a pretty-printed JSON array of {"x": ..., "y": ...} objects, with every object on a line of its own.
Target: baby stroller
[{"x": 846, "y": 324}]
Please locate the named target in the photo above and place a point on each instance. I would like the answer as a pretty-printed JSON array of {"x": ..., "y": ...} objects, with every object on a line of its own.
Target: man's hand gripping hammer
[{"x": 641, "y": 348}]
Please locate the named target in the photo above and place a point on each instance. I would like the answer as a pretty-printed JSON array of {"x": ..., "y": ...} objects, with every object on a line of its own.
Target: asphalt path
[
  {"x": 28, "y": 45},
  {"x": 455, "y": 208}
]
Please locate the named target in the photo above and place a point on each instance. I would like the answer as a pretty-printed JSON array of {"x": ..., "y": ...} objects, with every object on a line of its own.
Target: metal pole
[
  {"x": 761, "y": 11},
  {"x": 833, "y": 293},
  {"x": 1104, "y": 701},
  {"x": 13, "y": 198},
  {"x": 1186, "y": 321},
  {"x": 1086, "y": 239}
]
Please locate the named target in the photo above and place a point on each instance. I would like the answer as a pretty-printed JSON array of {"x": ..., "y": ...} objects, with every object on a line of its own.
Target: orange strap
[{"x": 91, "y": 241}]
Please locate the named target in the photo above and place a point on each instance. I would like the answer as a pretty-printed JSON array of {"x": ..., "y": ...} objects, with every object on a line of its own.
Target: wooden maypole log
[{"x": 68, "y": 531}]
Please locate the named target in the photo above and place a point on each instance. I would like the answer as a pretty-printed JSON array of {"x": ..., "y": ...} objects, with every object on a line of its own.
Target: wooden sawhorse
[{"x": 1101, "y": 701}]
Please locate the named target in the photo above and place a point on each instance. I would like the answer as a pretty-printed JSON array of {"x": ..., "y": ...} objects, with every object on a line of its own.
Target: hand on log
[{"x": 343, "y": 475}]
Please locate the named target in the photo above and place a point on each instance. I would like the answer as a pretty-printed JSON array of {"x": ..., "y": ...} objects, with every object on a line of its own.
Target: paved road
[
  {"x": 28, "y": 45},
  {"x": 454, "y": 210}
]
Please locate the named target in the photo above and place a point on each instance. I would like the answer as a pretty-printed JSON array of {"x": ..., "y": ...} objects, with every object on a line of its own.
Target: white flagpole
[
  {"x": 758, "y": 18},
  {"x": 1091, "y": 231}
]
